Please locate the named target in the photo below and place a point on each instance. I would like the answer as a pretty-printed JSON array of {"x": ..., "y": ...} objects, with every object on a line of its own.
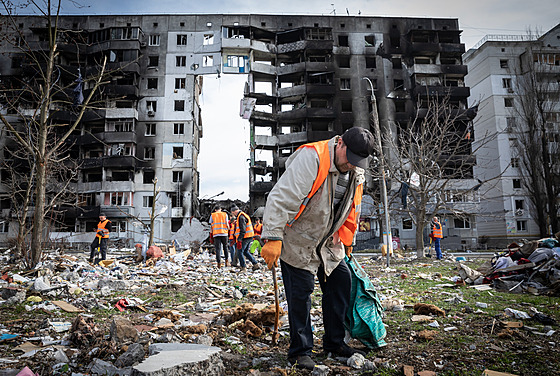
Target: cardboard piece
[
  {"x": 512, "y": 324},
  {"x": 422, "y": 318},
  {"x": 488, "y": 372},
  {"x": 67, "y": 307}
]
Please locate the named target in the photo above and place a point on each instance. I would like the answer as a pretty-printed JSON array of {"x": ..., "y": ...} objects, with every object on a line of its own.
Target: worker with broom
[{"x": 309, "y": 222}]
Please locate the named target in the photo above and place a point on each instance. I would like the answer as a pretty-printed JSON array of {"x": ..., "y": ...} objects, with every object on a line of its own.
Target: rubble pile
[{"x": 533, "y": 267}]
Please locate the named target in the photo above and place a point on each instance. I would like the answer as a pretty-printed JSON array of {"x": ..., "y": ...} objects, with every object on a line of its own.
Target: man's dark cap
[
  {"x": 359, "y": 146},
  {"x": 102, "y": 215}
]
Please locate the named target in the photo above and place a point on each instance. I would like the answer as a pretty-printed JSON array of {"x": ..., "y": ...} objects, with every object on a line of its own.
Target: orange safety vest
[
  {"x": 437, "y": 231},
  {"x": 249, "y": 233},
  {"x": 101, "y": 227},
  {"x": 231, "y": 229},
  {"x": 346, "y": 232},
  {"x": 219, "y": 223},
  {"x": 258, "y": 228}
]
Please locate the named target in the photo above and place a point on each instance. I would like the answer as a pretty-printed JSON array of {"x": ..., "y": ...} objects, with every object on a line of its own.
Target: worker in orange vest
[
  {"x": 104, "y": 227},
  {"x": 310, "y": 221},
  {"x": 244, "y": 233},
  {"x": 219, "y": 223},
  {"x": 437, "y": 235},
  {"x": 258, "y": 227}
]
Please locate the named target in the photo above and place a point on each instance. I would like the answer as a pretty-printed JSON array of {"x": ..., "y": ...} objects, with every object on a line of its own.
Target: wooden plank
[
  {"x": 66, "y": 306},
  {"x": 488, "y": 372}
]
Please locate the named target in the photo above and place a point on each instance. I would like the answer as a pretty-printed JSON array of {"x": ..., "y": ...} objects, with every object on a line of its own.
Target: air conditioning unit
[
  {"x": 519, "y": 212},
  {"x": 151, "y": 113}
]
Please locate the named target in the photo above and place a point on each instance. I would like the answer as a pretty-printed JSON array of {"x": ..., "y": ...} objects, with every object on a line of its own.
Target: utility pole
[{"x": 388, "y": 238}]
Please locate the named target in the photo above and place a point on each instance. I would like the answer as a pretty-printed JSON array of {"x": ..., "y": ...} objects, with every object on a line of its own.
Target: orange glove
[
  {"x": 271, "y": 252},
  {"x": 348, "y": 249}
]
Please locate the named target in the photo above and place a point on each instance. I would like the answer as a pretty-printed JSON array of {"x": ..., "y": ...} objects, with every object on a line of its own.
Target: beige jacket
[{"x": 314, "y": 229}]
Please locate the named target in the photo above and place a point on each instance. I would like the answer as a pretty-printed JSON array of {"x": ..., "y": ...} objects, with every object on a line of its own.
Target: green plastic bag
[{"x": 365, "y": 313}]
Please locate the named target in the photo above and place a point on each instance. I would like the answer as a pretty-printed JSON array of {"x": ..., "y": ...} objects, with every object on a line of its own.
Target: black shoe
[
  {"x": 345, "y": 351},
  {"x": 302, "y": 362}
]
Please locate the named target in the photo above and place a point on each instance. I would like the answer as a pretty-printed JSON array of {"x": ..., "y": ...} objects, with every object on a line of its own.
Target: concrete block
[{"x": 175, "y": 359}]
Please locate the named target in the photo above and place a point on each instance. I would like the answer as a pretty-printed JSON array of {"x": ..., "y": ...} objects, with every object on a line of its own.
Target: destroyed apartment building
[{"x": 305, "y": 83}]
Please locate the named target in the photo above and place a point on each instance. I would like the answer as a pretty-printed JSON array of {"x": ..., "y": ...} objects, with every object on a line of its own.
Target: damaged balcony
[
  {"x": 460, "y": 70},
  {"x": 441, "y": 91},
  {"x": 302, "y": 113}
]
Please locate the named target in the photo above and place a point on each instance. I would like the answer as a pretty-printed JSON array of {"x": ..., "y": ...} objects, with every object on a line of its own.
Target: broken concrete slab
[{"x": 181, "y": 359}]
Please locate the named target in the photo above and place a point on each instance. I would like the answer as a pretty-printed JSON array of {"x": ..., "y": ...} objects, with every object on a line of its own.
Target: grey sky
[{"x": 224, "y": 148}]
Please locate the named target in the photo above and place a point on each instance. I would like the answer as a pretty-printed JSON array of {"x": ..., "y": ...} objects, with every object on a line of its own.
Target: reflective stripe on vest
[
  {"x": 437, "y": 232},
  {"x": 219, "y": 223},
  {"x": 348, "y": 229},
  {"x": 101, "y": 227},
  {"x": 322, "y": 149},
  {"x": 248, "y": 228}
]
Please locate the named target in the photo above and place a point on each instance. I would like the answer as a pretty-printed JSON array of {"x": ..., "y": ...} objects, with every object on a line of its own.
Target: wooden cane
[{"x": 275, "y": 334}]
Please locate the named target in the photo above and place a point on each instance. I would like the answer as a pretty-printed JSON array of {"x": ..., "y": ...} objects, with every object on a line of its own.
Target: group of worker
[{"x": 237, "y": 236}]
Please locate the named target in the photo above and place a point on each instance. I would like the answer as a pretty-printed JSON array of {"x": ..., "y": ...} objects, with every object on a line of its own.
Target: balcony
[
  {"x": 301, "y": 113},
  {"x": 236, "y": 43},
  {"x": 261, "y": 187},
  {"x": 263, "y": 69},
  {"x": 441, "y": 91},
  {"x": 112, "y": 211},
  {"x": 291, "y": 69},
  {"x": 266, "y": 141},
  {"x": 294, "y": 91},
  {"x": 292, "y": 138},
  {"x": 89, "y": 163},
  {"x": 310, "y": 45},
  {"x": 119, "y": 161},
  {"x": 121, "y": 90},
  {"x": 425, "y": 48},
  {"x": 118, "y": 137},
  {"x": 452, "y": 48},
  {"x": 118, "y": 186},
  {"x": 460, "y": 70},
  {"x": 263, "y": 116},
  {"x": 124, "y": 66},
  {"x": 121, "y": 113}
]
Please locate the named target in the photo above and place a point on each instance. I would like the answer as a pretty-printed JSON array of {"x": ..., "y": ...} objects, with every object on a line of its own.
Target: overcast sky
[{"x": 223, "y": 164}]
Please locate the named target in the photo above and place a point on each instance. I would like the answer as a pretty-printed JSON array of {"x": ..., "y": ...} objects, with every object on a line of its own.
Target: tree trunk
[{"x": 38, "y": 216}]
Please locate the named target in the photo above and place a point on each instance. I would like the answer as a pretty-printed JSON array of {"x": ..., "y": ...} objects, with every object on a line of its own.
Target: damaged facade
[
  {"x": 305, "y": 83},
  {"x": 499, "y": 68}
]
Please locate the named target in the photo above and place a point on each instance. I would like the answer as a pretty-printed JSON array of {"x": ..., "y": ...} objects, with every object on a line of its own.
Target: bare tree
[
  {"x": 36, "y": 98},
  {"x": 536, "y": 147},
  {"x": 432, "y": 159}
]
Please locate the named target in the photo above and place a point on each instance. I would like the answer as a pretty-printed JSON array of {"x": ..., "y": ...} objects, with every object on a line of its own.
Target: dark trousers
[
  {"x": 244, "y": 251},
  {"x": 102, "y": 248},
  {"x": 220, "y": 242},
  {"x": 299, "y": 285}
]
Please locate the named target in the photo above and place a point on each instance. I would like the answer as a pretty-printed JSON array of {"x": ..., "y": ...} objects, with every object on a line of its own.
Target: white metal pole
[{"x": 388, "y": 239}]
